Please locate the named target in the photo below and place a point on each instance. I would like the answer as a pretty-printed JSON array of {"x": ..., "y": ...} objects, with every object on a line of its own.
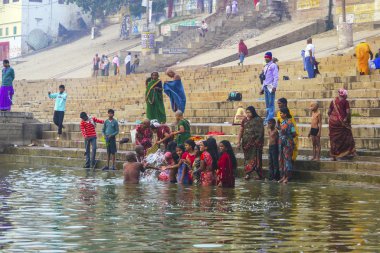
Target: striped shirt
[{"x": 88, "y": 127}]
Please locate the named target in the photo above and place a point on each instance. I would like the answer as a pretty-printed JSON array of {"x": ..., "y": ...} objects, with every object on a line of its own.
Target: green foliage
[
  {"x": 158, "y": 6},
  {"x": 99, "y": 8},
  {"x": 135, "y": 7}
]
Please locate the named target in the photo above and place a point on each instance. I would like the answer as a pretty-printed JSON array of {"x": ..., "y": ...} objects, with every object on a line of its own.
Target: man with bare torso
[{"x": 132, "y": 169}]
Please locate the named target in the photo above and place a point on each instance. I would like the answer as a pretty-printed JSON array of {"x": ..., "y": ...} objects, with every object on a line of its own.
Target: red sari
[
  {"x": 225, "y": 174},
  {"x": 342, "y": 142},
  {"x": 207, "y": 176}
]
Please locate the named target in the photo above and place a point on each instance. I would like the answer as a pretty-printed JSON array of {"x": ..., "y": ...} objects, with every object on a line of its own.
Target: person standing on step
[
  {"x": 88, "y": 129},
  {"x": 95, "y": 65},
  {"x": 243, "y": 52},
  {"x": 59, "y": 108},
  {"x": 228, "y": 10},
  {"x": 251, "y": 140},
  {"x": 127, "y": 63},
  {"x": 155, "y": 108},
  {"x": 175, "y": 91},
  {"x": 363, "y": 53},
  {"x": 116, "y": 65},
  {"x": 342, "y": 144},
  {"x": 110, "y": 130},
  {"x": 203, "y": 29},
  {"x": 269, "y": 86},
  {"x": 310, "y": 58},
  {"x": 6, "y": 90},
  {"x": 234, "y": 8},
  {"x": 283, "y": 103},
  {"x": 136, "y": 63},
  {"x": 316, "y": 130}
]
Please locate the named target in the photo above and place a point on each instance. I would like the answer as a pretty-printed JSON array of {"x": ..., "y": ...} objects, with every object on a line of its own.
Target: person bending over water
[{"x": 132, "y": 169}]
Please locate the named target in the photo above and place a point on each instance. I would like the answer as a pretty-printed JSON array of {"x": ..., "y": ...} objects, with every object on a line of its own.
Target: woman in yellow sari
[
  {"x": 363, "y": 53},
  {"x": 155, "y": 108},
  {"x": 283, "y": 103}
]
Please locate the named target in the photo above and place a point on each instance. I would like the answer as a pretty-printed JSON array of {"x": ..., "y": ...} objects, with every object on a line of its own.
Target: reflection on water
[{"x": 65, "y": 210}]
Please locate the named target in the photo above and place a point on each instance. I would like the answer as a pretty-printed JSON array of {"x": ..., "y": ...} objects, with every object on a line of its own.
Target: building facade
[{"x": 18, "y": 18}]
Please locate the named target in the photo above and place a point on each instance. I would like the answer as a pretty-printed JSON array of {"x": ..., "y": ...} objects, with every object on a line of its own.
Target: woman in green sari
[{"x": 155, "y": 108}]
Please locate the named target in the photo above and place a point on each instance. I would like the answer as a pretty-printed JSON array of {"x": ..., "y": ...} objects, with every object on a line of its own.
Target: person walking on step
[
  {"x": 6, "y": 90},
  {"x": 234, "y": 8},
  {"x": 88, "y": 129},
  {"x": 59, "y": 108},
  {"x": 243, "y": 52},
  {"x": 269, "y": 86},
  {"x": 127, "y": 63},
  {"x": 363, "y": 53},
  {"x": 110, "y": 130}
]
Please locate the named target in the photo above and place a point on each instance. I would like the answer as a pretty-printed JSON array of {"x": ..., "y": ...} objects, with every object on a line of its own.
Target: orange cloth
[{"x": 362, "y": 54}]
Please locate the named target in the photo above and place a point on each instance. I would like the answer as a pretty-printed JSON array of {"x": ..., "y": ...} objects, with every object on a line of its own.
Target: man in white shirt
[
  {"x": 128, "y": 63},
  {"x": 310, "y": 58}
]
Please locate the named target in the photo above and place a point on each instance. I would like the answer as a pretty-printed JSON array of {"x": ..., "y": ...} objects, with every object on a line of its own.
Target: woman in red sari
[
  {"x": 227, "y": 164},
  {"x": 144, "y": 135},
  {"x": 208, "y": 164},
  {"x": 342, "y": 144}
]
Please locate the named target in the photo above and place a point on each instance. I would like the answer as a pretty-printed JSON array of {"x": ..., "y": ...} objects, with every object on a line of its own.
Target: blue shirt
[
  {"x": 8, "y": 75},
  {"x": 271, "y": 74},
  {"x": 110, "y": 128},
  {"x": 60, "y": 101}
]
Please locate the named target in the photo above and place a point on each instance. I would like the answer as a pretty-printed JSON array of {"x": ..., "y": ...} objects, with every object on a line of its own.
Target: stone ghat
[{"x": 207, "y": 109}]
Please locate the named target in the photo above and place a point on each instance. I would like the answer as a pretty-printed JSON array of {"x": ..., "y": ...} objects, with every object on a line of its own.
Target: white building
[{"x": 18, "y": 18}]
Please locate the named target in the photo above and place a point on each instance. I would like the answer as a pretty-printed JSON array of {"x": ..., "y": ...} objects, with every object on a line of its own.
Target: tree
[{"x": 99, "y": 8}]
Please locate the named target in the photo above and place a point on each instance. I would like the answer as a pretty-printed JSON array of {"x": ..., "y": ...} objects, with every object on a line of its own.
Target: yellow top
[
  {"x": 362, "y": 54},
  {"x": 279, "y": 119},
  {"x": 239, "y": 116}
]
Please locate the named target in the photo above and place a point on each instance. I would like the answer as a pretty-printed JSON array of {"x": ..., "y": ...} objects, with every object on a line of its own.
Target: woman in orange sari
[{"x": 342, "y": 144}]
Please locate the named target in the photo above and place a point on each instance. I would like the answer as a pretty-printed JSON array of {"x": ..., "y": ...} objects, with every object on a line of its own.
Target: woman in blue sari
[{"x": 175, "y": 91}]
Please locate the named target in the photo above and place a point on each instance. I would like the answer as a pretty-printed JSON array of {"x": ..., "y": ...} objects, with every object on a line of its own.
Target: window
[
  {"x": 5, "y": 1},
  {"x": 1, "y": 32},
  {"x": 6, "y": 31},
  {"x": 15, "y": 1},
  {"x": 61, "y": 1},
  {"x": 14, "y": 30},
  {"x": 35, "y": 1}
]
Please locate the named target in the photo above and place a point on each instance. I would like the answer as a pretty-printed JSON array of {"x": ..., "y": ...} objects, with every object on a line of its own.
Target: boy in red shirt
[{"x": 88, "y": 128}]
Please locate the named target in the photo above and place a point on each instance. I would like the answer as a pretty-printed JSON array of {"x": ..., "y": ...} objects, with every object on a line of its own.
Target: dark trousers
[
  {"x": 88, "y": 142},
  {"x": 115, "y": 69},
  {"x": 58, "y": 120},
  {"x": 128, "y": 68},
  {"x": 274, "y": 169}
]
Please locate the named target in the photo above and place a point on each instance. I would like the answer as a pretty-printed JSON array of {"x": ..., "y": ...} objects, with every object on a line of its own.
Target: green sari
[
  {"x": 181, "y": 138},
  {"x": 155, "y": 108}
]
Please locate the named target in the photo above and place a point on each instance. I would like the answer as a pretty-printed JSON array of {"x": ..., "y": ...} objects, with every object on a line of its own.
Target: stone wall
[
  {"x": 18, "y": 128},
  {"x": 318, "y": 27}
]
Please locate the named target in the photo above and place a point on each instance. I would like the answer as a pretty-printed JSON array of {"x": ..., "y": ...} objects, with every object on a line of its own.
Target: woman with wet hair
[
  {"x": 155, "y": 108},
  {"x": 227, "y": 165}
]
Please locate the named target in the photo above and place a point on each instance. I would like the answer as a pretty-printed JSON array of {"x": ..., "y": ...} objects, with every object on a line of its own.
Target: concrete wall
[{"x": 18, "y": 128}]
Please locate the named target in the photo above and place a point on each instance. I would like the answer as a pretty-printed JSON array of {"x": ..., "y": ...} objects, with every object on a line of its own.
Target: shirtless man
[
  {"x": 132, "y": 169},
  {"x": 315, "y": 131}
]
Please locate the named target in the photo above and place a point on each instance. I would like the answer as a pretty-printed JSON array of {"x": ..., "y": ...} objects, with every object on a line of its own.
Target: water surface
[{"x": 69, "y": 210}]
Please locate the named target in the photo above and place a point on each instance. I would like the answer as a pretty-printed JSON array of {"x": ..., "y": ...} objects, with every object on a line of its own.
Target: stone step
[
  {"x": 72, "y": 130},
  {"x": 304, "y": 172}
]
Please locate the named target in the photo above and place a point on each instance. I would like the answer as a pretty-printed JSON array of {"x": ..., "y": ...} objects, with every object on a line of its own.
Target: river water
[{"x": 69, "y": 210}]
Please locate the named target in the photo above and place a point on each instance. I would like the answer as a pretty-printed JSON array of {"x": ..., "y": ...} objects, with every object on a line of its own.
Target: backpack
[{"x": 235, "y": 96}]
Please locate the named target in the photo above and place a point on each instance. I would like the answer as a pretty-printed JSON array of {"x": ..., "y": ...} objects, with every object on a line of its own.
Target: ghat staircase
[{"x": 207, "y": 109}]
